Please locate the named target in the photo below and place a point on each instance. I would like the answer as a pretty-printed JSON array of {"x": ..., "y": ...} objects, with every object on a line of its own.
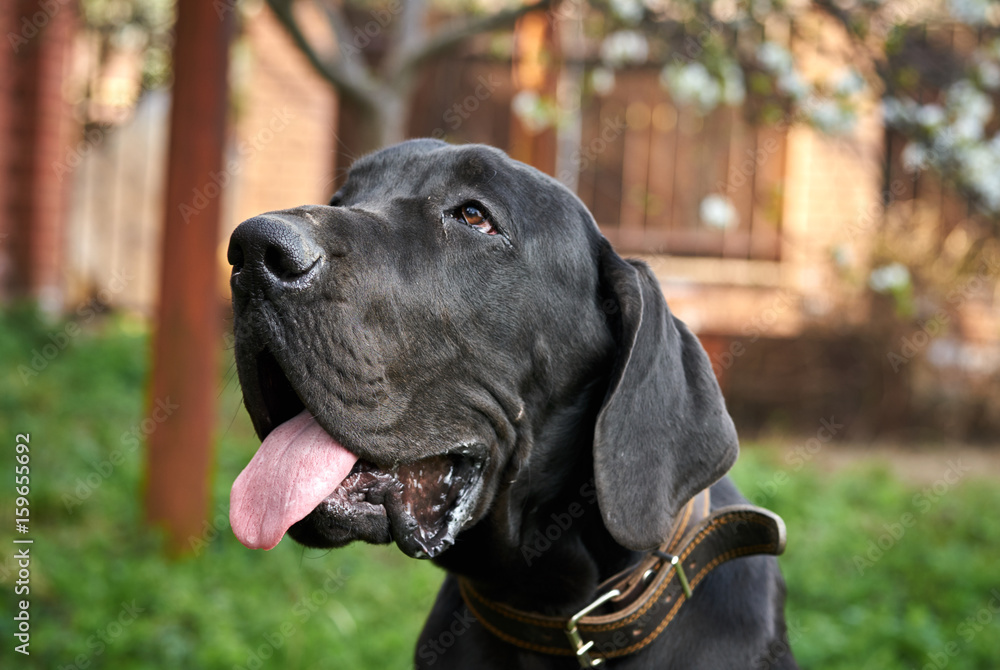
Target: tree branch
[
  {"x": 354, "y": 68},
  {"x": 412, "y": 29},
  {"x": 858, "y": 44},
  {"x": 347, "y": 76},
  {"x": 457, "y": 32}
]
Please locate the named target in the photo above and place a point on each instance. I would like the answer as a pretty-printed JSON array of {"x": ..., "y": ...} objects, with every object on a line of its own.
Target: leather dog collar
[{"x": 646, "y": 598}]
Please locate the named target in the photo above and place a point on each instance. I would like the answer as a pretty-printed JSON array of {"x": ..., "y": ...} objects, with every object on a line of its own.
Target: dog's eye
[{"x": 472, "y": 215}]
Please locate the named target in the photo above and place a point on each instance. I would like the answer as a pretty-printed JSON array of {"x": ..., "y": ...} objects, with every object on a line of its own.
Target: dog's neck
[{"x": 545, "y": 547}]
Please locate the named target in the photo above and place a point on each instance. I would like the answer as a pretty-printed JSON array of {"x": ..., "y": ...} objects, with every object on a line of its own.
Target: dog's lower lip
[
  {"x": 426, "y": 502},
  {"x": 366, "y": 483}
]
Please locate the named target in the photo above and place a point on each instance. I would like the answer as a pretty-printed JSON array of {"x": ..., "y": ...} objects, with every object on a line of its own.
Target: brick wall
[
  {"x": 287, "y": 125},
  {"x": 8, "y": 24}
]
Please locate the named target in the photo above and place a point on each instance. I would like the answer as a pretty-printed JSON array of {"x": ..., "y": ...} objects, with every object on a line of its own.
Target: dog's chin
[{"x": 422, "y": 506}]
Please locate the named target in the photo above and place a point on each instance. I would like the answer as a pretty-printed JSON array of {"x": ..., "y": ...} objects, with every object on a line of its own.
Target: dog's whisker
[{"x": 232, "y": 419}]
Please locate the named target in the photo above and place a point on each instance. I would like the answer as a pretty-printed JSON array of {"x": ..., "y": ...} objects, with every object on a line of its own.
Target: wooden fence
[{"x": 646, "y": 165}]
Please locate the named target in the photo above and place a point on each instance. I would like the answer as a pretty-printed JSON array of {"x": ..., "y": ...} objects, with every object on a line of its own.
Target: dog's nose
[{"x": 273, "y": 252}]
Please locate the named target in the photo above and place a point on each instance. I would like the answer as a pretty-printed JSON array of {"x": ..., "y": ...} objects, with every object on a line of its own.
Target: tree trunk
[
  {"x": 186, "y": 342},
  {"x": 363, "y": 127}
]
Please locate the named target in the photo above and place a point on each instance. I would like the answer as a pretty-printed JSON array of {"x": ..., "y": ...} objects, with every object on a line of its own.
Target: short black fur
[{"x": 537, "y": 354}]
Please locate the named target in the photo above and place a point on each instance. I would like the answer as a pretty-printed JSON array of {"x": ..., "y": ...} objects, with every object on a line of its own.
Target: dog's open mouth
[{"x": 302, "y": 481}]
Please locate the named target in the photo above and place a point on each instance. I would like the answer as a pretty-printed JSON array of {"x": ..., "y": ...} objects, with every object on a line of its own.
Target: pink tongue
[{"x": 296, "y": 467}]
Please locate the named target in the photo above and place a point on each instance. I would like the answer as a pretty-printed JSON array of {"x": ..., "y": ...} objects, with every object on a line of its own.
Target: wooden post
[
  {"x": 186, "y": 340},
  {"x": 533, "y": 36},
  {"x": 34, "y": 137}
]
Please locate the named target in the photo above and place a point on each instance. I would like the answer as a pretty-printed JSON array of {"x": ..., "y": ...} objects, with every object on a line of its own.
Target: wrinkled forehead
[
  {"x": 427, "y": 167},
  {"x": 446, "y": 175}
]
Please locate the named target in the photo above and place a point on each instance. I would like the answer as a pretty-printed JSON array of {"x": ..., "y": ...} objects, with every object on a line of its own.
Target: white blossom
[
  {"x": 847, "y": 83},
  {"x": 774, "y": 57},
  {"x": 972, "y": 110},
  {"x": 956, "y": 141},
  {"x": 624, "y": 47},
  {"x": 830, "y": 117},
  {"x": 888, "y": 278},
  {"x": 529, "y": 108},
  {"x": 981, "y": 170},
  {"x": 603, "y": 80},
  {"x": 734, "y": 89},
  {"x": 968, "y": 128},
  {"x": 930, "y": 116},
  {"x": 967, "y": 100},
  {"x": 969, "y": 11},
  {"x": 692, "y": 84},
  {"x": 914, "y": 157},
  {"x": 629, "y": 11},
  {"x": 716, "y": 211},
  {"x": 843, "y": 256},
  {"x": 892, "y": 110},
  {"x": 793, "y": 85},
  {"x": 989, "y": 74}
]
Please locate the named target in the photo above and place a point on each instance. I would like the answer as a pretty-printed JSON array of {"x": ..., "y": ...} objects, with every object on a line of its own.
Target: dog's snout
[{"x": 272, "y": 252}]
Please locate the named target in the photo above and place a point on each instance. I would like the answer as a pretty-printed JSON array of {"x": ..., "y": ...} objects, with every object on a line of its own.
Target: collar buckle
[{"x": 582, "y": 649}]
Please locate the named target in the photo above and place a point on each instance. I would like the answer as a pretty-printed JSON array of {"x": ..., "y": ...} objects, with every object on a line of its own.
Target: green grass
[{"x": 923, "y": 603}]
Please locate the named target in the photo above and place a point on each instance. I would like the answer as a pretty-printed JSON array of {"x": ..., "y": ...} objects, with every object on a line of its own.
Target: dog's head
[{"x": 406, "y": 350}]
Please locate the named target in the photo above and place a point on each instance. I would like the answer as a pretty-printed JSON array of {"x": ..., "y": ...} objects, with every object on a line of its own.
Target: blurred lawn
[{"x": 103, "y": 597}]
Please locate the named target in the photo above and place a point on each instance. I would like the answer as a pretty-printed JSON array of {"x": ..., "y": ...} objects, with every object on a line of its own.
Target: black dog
[{"x": 450, "y": 356}]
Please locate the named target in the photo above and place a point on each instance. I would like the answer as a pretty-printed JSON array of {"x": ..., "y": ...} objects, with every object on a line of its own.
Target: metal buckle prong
[
  {"x": 675, "y": 561},
  {"x": 573, "y": 633}
]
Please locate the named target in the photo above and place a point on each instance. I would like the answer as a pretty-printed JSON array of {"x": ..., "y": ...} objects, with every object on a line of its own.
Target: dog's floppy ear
[{"x": 663, "y": 433}]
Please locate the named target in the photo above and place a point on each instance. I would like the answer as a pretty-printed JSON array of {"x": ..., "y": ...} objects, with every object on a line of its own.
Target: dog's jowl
[{"x": 449, "y": 356}]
